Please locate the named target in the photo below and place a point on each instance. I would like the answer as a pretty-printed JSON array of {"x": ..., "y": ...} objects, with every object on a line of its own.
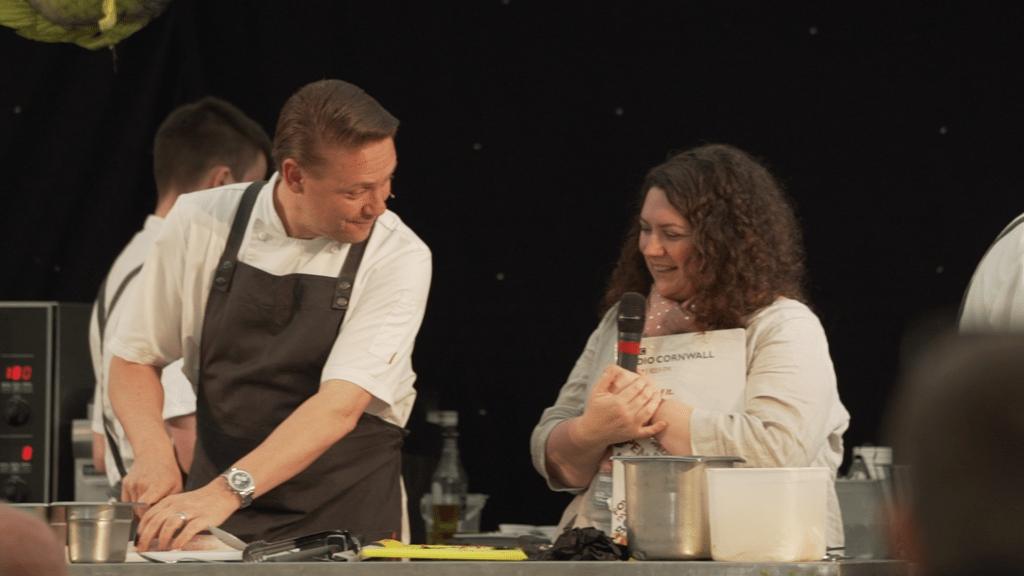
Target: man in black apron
[{"x": 284, "y": 448}]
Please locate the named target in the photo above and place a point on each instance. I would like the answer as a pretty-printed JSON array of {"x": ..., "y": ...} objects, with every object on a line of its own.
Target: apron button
[
  {"x": 227, "y": 265},
  {"x": 344, "y": 285},
  {"x": 220, "y": 280},
  {"x": 341, "y": 301}
]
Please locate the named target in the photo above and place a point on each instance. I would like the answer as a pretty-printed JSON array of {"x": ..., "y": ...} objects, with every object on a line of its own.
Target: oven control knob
[
  {"x": 17, "y": 412},
  {"x": 15, "y": 490}
]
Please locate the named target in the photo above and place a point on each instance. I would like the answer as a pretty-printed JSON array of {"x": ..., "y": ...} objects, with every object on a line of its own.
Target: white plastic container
[{"x": 768, "y": 514}]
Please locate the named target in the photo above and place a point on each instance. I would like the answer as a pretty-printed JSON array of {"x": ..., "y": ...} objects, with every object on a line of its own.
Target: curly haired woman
[{"x": 716, "y": 246}]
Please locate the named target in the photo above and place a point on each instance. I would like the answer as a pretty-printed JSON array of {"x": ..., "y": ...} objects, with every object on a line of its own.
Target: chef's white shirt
[
  {"x": 179, "y": 398},
  {"x": 994, "y": 301},
  {"x": 374, "y": 347}
]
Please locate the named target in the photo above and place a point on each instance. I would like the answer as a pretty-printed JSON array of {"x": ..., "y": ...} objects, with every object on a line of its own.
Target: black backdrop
[{"x": 526, "y": 128}]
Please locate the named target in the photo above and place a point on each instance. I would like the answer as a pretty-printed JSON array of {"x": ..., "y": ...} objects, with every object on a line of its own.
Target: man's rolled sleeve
[
  {"x": 374, "y": 347},
  {"x": 150, "y": 329}
]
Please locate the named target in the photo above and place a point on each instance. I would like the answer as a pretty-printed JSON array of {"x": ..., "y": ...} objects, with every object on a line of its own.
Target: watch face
[{"x": 240, "y": 480}]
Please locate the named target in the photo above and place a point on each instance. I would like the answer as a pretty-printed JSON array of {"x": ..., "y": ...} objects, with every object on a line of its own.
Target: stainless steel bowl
[
  {"x": 667, "y": 505},
  {"x": 96, "y": 532}
]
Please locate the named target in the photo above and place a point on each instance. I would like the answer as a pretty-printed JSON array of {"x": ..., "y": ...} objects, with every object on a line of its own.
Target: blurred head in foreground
[
  {"x": 957, "y": 422},
  {"x": 28, "y": 546}
]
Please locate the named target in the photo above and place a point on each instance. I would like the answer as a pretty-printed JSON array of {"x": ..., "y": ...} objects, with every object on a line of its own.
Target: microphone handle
[{"x": 628, "y": 351}]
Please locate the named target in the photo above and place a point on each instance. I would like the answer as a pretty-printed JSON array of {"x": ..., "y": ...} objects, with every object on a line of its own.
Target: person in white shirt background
[
  {"x": 994, "y": 299},
  {"x": 200, "y": 145}
]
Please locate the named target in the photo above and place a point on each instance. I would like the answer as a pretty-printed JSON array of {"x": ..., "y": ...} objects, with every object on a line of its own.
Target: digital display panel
[{"x": 16, "y": 373}]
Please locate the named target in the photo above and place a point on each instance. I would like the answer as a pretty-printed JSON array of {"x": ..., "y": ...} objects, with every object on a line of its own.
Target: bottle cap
[{"x": 443, "y": 418}]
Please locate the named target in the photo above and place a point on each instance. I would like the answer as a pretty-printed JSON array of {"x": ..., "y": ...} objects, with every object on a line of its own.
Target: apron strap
[
  {"x": 102, "y": 315},
  {"x": 114, "y": 450},
  {"x": 1007, "y": 230},
  {"x": 226, "y": 268},
  {"x": 347, "y": 277}
]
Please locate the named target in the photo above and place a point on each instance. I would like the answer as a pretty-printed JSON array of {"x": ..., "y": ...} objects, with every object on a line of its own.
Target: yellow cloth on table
[{"x": 395, "y": 549}]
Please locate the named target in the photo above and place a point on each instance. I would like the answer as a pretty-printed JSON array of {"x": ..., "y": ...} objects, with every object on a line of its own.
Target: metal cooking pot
[{"x": 667, "y": 505}]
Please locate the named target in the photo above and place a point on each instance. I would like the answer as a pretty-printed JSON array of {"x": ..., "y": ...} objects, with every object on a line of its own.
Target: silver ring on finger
[{"x": 182, "y": 516}]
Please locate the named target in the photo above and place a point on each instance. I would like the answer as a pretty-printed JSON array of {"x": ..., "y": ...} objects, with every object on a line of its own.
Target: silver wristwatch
[{"x": 242, "y": 484}]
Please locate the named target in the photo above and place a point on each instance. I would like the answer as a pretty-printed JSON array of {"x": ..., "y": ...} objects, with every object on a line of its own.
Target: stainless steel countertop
[{"x": 525, "y": 568}]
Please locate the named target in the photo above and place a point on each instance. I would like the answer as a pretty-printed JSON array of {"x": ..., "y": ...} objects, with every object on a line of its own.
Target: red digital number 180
[{"x": 18, "y": 373}]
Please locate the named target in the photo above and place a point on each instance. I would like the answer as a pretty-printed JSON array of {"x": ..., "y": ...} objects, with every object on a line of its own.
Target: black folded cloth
[{"x": 588, "y": 544}]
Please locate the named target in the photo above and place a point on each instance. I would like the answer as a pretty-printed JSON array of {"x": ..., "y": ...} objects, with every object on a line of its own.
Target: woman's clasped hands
[{"x": 620, "y": 408}]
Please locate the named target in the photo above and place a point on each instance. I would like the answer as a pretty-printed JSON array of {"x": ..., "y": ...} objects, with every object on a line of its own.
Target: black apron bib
[{"x": 264, "y": 343}]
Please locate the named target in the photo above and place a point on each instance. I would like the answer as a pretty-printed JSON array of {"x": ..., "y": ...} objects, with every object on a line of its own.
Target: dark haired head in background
[
  {"x": 748, "y": 249},
  {"x": 205, "y": 135}
]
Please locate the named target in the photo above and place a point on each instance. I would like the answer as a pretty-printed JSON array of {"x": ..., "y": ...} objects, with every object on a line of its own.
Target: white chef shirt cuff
[
  {"x": 121, "y": 350},
  {"x": 361, "y": 379}
]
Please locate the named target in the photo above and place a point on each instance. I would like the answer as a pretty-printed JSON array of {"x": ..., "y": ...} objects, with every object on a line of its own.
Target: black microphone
[{"x": 632, "y": 308}]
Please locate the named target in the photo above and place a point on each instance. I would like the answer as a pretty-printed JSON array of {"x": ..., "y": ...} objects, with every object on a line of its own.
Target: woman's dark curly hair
[{"x": 748, "y": 248}]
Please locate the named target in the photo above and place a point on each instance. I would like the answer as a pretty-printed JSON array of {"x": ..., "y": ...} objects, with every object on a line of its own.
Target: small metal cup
[{"x": 97, "y": 532}]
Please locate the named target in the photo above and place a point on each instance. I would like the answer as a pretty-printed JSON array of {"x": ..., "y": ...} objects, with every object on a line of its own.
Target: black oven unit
[{"x": 46, "y": 381}]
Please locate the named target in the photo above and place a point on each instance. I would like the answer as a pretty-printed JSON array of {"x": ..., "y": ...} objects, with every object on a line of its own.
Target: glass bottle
[{"x": 448, "y": 488}]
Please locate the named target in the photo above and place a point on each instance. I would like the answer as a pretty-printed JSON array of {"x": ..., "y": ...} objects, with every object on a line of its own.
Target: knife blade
[{"x": 228, "y": 538}]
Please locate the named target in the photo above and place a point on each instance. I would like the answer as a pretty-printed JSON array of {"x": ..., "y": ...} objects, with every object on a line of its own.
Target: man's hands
[
  {"x": 620, "y": 408},
  {"x": 176, "y": 519},
  {"x": 152, "y": 478},
  {"x": 138, "y": 398}
]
